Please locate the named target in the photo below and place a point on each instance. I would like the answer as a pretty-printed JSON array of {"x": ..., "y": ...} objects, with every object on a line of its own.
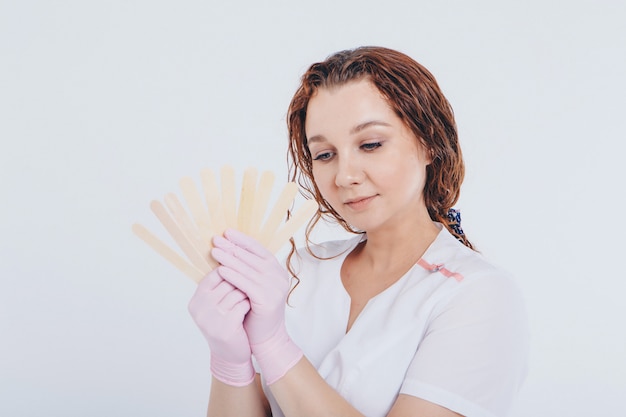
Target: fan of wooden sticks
[{"x": 194, "y": 233}]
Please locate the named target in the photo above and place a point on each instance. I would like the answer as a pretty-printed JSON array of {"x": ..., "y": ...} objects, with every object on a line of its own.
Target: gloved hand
[
  {"x": 219, "y": 309},
  {"x": 254, "y": 270}
]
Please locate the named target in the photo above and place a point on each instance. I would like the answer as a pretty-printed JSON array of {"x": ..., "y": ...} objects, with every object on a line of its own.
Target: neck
[{"x": 404, "y": 244}]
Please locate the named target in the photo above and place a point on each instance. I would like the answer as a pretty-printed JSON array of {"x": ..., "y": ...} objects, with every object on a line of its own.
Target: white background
[{"x": 105, "y": 105}]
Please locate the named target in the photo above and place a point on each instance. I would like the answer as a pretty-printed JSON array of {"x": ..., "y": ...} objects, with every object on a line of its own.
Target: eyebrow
[
  {"x": 354, "y": 130},
  {"x": 363, "y": 126}
]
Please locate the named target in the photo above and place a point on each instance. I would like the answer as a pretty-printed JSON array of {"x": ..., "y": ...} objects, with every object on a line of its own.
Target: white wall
[{"x": 105, "y": 105}]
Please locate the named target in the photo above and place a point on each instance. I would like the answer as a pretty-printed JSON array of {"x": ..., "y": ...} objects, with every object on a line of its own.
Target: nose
[{"x": 349, "y": 172}]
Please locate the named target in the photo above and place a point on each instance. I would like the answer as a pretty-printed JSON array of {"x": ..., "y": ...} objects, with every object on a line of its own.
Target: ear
[{"x": 426, "y": 154}]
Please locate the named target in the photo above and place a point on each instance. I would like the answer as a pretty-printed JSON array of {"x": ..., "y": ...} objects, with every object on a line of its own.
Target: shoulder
[
  {"x": 474, "y": 286},
  {"x": 468, "y": 267},
  {"x": 479, "y": 317}
]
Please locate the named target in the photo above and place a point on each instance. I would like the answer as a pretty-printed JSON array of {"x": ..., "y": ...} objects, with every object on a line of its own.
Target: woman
[{"x": 404, "y": 319}]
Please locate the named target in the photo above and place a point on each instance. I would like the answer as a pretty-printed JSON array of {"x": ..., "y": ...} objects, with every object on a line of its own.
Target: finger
[
  {"x": 238, "y": 252},
  {"x": 215, "y": 295},
  {"x": 204, "y": 299},
  {"x": 231, "y": 261},
  {"x": 222, "y": 290},
  {"x": 241, "y": 308},
  {"x": 239, "y": 281},
  {"x": 248, "y": 243},
  {"x": 210, "y": 281},
  {"x": 231, "y": 299}
]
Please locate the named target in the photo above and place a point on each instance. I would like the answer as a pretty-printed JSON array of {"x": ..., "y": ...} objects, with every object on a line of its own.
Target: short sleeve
[{"x": 473, "y": 357}]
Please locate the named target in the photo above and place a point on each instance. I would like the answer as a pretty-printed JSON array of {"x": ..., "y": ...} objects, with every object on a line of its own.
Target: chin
[{"x": 364, "y": 226}]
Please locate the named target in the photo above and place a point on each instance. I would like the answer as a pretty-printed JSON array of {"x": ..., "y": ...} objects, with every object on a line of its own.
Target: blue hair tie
[{"x": 454, "y": 221}]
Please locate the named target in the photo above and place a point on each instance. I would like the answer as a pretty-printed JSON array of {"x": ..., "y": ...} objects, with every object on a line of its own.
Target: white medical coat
[{"x": 452, "y": 331}]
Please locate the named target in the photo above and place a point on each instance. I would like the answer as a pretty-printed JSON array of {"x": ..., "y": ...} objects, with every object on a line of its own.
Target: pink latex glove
[
  {"x": 254, "y": 270},
  {"x": 219, "y": 309}
]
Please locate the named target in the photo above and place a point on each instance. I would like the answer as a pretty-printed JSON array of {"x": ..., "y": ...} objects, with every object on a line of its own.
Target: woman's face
[{"x": 366, "y": 163}]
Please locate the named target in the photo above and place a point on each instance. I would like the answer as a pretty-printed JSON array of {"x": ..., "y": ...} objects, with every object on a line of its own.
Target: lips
[{"x": 359, "y": 202}]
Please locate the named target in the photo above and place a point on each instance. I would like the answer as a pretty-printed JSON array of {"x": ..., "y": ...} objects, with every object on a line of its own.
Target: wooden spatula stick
[
  {"x": 198, "y": 211},
  {"x": 179, "y": 236},
  {"x": 246, "y": 200},
  {"x": 193, "y": 230},
  {"x": 260, "y": 202},
  {"x": 187, "y": 227},
  {"x": 165, "y": 251},
  {"x": 213, "y": 200},
  {"x": 299, "y": 217},
  {"x": 229, "y": 198},
  {"x": 278, "y": 213}
]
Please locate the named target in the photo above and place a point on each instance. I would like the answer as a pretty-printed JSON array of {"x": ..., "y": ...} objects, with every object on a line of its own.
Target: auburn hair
[{"x": 413, "y": 93}]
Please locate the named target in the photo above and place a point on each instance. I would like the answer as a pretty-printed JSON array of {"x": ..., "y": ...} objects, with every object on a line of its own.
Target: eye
[
  {"x": 325, "y": 156},
  {"x": 370, "y": 146}
]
